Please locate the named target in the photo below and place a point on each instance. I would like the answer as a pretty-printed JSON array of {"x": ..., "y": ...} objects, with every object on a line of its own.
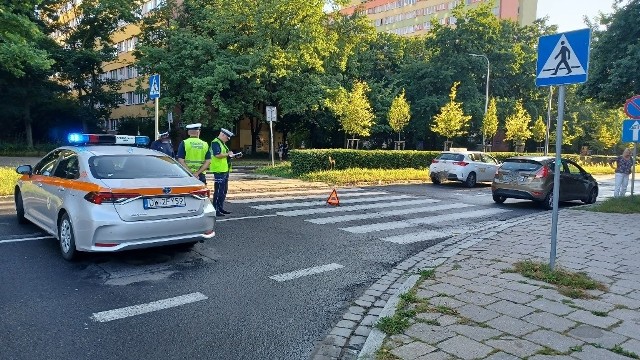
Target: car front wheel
[
  {"x": 499, "y": 199},
  {"x": 593, "y": 195},
  {"x": 67, "y": 239},
  {"x": 19, "y": 207}
]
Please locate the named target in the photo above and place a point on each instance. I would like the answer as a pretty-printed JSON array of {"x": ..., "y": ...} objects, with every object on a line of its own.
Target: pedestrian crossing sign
[
  {"x": 154, "y": 86},
  {"x": 563, "y": 58},
  {"x": 333, "y": 199}
]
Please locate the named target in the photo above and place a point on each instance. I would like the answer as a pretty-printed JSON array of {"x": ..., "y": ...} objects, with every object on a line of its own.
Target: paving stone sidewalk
[{"x": 493, "y": 314}]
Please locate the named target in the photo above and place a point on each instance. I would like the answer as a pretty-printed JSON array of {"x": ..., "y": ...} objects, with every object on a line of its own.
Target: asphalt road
[{"x": 241, "y": 295}]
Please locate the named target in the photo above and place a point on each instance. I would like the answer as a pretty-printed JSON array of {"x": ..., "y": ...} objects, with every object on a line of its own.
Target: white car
[
  {"x": 99, "y": 197},
  {"x": 469, "y": 167}
]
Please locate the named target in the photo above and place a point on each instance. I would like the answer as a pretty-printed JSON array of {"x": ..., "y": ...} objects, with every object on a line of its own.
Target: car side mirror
[{"x": 24, "y": 170}]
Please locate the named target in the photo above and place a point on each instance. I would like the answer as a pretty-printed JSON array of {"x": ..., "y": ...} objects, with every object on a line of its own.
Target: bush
[
  {"x": 306, "y": 161},
  {"x": 19, "y": 149}
]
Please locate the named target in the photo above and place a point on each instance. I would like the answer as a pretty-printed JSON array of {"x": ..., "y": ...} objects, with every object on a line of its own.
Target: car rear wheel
[
  {"x": 547, "y": 203},
  {"x": 19, "y": 207},
  {"x": 471, "y": 180},
  {"x": 499, "y": 199},
  {"x": 67, "y": 239},
  {"x": 435, "y": 180},
  {"x": 593, "y": 195}
]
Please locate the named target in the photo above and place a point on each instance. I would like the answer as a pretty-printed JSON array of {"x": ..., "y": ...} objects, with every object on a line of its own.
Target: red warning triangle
[{"x": 333, "y": 199}]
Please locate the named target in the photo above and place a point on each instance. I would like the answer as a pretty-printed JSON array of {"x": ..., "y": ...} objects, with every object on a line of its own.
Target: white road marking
[
  {"x": 343, "y": 218},
  {"x": 421, "y": 221},
  {"x": 246, "y": 217},
  {"x": 322, "y": 202},
  {"x": 121, "y": 313},
  {"x": 305, "y": 272},
  {"x": 247, "y": 195},
  {"x": 305, "y": 197},
  {"x": 374, "y": 206},
  {"x": 25, "y": 239},
  {"x": 429, "y": 234}
]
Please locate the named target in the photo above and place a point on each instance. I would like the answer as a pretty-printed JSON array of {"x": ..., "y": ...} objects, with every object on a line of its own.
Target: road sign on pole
[
  {"x": 154, "y": 94},
  {"x": 563, "y": 58},
  {"x": 632, "y": 107},
  {"x": 272, "y": 113},
  {"x": 631, "y": 130}
]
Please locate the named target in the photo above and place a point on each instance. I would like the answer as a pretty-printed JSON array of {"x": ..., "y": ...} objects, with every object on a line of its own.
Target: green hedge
[
  {"x": 14, "y": 149},
  {"x": 306, "y": 161}
]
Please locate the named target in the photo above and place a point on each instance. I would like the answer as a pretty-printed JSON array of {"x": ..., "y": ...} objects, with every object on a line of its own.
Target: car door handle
[
  {"x": 39, "y": 184},
  {"x": 60, "y": 188}
]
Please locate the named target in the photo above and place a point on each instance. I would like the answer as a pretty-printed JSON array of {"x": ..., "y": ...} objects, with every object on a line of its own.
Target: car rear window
[
  {"x": 521, "y": 165},
  {"x": 450, "y": 156},
  {"x": 135, "y": 167}
]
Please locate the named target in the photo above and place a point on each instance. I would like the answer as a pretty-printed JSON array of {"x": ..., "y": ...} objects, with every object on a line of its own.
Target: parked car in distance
[
  {"x": 469, "y": 167},
  {"x": 531, "y": 178},
  {"x": 99, "y": 197}
]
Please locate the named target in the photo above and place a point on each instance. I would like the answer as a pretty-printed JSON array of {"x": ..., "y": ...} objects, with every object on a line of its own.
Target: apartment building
[{"x": 413, "y": 17}]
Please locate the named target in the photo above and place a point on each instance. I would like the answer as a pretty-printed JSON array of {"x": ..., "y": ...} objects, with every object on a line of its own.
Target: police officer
[
  {"x": 163, "y": 144},
  {"x": 220, "y": 166},
  {"x": 194, "y": 153}
]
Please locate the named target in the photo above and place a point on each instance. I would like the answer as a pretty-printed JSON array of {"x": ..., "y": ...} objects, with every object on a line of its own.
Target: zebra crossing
[{"x": 394, "y": 218}]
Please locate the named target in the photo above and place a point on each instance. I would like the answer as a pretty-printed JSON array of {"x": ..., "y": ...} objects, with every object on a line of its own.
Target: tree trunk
[
  {"x": 256, "y": 127},
  {"x": 27, "y": 122}
]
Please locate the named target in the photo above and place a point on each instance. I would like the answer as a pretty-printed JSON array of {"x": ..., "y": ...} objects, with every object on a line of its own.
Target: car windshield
[
  {"x": 521, "y": 165},
  {"x": 135, "y": 167},
  {"x": 450, "y": 156}
]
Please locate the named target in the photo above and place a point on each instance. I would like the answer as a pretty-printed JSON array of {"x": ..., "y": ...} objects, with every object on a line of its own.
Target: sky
[{"x": 568, "y": 14}]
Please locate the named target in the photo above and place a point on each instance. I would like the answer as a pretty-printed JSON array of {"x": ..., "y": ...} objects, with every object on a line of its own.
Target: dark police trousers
[{"x": 220, "y": 186}]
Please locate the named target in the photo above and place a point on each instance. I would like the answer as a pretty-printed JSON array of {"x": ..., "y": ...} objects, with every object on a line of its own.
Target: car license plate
[{"x": 164, "y": 202}]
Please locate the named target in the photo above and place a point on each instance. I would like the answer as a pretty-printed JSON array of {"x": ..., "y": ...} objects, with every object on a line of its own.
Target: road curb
[{"x": 355, "y": 335}]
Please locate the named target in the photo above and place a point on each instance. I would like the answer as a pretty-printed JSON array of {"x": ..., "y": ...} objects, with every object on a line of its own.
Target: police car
[{"x": 95, "y": 196}]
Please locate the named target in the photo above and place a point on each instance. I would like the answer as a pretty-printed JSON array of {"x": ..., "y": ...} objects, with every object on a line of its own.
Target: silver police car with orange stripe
[{"x": 98, "y": 197}]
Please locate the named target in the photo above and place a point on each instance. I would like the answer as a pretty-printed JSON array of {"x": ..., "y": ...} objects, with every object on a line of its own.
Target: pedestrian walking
[
  {"x": 285, "y": 150},
  {"x": 624, "y": 163},
  {"x": 194, "y": 153},
  {"x": 163, "y": 144},
  {"x": 220, "y": 167},
  {"x": 280, "y": 150}
]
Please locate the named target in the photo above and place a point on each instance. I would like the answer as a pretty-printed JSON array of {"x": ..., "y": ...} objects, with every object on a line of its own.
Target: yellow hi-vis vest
[
  {"x": 219, "y": 165},
  {"x": 195, "y": 152}
]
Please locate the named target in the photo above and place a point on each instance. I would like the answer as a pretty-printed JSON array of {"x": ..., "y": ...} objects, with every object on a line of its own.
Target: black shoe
[
  {"x": 218, "y": 213},
  {"x": 225, "y": 212}
]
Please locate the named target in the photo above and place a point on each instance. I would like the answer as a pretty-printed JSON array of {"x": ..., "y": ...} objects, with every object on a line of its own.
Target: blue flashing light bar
[{"x": 107, "y": 139}]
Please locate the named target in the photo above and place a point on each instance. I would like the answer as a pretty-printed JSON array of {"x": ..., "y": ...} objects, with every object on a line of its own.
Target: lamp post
[{"x": 486, "y": 101}]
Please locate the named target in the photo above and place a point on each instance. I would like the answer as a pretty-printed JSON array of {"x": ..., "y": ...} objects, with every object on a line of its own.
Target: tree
[
  {"x": 490, "y": 121},
  {"x": 517, "y": 126},
  {"x": 353, "y": 109},
  {"x": 399, "y": 113},
  {"x": 88, "y": 45},
  {"x": 19, "y": 36},
  {"x": 608, "y": 132},
  {"x": 615, "y": 56},
  {"x": 539, "y": 130},
  {"x": 451, "y": 122}
]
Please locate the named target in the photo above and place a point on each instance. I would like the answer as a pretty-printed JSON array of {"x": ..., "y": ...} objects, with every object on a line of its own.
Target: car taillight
[
  {"x": 542, "y": 173},
  {"x": 434, "y": 161},
  {"x": 204, "y": 193},
  {"x": 461, "y": 163},
  {"x": 108, "y": 197}
]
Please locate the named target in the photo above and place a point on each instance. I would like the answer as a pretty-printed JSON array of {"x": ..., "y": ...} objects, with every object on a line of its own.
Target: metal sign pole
[
  {"x": 546, "y": 138},
  {"x": 273, "y": 161},
  {"x": 556, "y": 177},
  {"x": 157, "y": 133},
  {"x": 633, "y": 167}
]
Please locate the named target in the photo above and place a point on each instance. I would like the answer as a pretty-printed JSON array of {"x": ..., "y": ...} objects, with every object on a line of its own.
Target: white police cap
[
  {"x": 226, "y": 132},
  {"x": 195, "y": 126},
  {"x": 164, "y": 134}
]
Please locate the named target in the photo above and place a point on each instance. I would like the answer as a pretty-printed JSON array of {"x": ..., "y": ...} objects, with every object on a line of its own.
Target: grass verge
[
  {"x": 620, "y": 205},
  {"x": 8, "y": 177},
  {"x": 570, "y": 284}
]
